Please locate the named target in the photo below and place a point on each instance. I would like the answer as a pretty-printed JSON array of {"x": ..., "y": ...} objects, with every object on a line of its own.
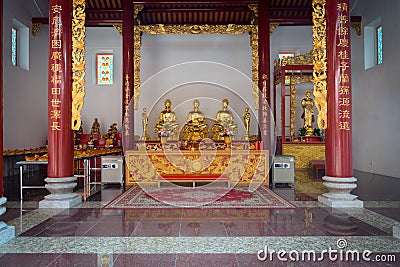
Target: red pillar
[
  {"x": 1, "y": 99},
  {"x": 60, "y": 135},
  {"x": 264, "y": 73},
  {"x": 127, "y": 72},
  {"x": 339, "y": 128},
  {"x": 339, "y": 168}
]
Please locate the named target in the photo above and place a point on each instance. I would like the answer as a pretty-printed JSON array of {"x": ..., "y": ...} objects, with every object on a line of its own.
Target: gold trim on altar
[{"x": 242, "y": 167}]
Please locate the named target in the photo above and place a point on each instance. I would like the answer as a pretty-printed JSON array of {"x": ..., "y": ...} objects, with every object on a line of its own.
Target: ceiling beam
[
  {"x": 283, "y": 21},
  {"x": 201, "y": 2}
]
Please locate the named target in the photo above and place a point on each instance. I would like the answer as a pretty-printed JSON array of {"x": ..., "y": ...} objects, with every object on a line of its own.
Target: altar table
[{"x": 242, "y": 167}]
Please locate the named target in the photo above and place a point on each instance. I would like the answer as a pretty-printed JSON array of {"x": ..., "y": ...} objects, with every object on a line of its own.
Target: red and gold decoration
[
  {"x": 78, "y": 63},
  {"x": 60, "y": 136},
  {"x": 339, "y": 132},
  {"x": 43, "y": 156},
  {"x": 320, "y": 61},
  {"x": 242, "y": 167}
]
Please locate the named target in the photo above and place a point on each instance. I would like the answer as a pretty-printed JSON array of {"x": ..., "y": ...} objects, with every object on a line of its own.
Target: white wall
[
  {"x": 376, "y": 94},
  {"x": 102, "y": 101},
  {"x": 187, "y": 67},
  {"x": 25, "y": 92}
]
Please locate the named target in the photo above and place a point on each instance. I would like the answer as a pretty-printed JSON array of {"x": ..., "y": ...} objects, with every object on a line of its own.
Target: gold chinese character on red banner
[
  {"x": 344, "y": 66},
  {"x": 55, "y": 114},
  {"x": 55, "y": 67},
  {"x": 344, "y": 114},
  {"x": 342, "y": 7},
  {"x": 344, "y": 90},
  {"x": 55, "y": 127},
  {"x": 56, "y": 55},
  {"x": 56, "y": 9},
  {"x": 343, "y": 19},
  {"x": 55, "y": 90},
  {"x": 344, "y": 125},
  {"x": 344, "y": 101},
  {"x": 56, "y": 33},
  {"x": 55, "y": 43},
  {"x": 56, "y": 21},
  {"x": 55, "y": 102},
  {"x": 343, "y": 42},
  {"x": 343, "y": 31},
  {"x": 344, "y": 78},
  {"x": 343, "y": 55}
]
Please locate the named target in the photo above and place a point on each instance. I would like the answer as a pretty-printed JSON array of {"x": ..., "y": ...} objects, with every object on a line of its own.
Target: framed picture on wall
[
  {"x": 104, "y": 69},
  {"x": 285, "y": 59}
]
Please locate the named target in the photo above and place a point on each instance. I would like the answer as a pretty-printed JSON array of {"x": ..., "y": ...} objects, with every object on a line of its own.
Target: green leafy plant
[{"x": 302, "y": 131}]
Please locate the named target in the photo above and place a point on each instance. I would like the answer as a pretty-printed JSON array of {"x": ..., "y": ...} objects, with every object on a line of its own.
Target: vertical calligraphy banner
[
  {"x": 339, "y": 132},
  {"x": 60, "y": 136},
  {"x": 128, "y": 74}
]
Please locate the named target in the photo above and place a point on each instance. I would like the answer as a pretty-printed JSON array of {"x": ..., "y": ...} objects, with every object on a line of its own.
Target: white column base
[
  {"x": 396, "y": 231},
  {"x": 6, "y": 232},
  {"x": 339, "y": 193},
  {"x": 62, "y": 195}
]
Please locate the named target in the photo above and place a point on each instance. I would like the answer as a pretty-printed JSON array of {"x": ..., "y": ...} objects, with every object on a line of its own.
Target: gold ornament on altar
[
  {"x": 196, "y": 127},
  {"x": 308, "y": 113},
  {"x": 167, "y": 125},
  {"x": 224, "y": 124},
  {"x": 95, "y": 127},
  {"x": 246, "y": 120},
  {"x": 145, "y": 122},
  {"x": 113, "y": 129}
]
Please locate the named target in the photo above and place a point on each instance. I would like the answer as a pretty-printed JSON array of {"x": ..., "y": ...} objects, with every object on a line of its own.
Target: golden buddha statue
[
  {"x": 95, "y": 127},
  {"x": 308, "y": 113},
  {"x": 224, "y": 123},
  {"x": 167, "y": 124},
  {"x": 196, "y": 127}
]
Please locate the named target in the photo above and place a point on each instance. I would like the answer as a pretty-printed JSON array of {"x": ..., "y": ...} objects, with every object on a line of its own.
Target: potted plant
[{"x": 313, "y": 138}]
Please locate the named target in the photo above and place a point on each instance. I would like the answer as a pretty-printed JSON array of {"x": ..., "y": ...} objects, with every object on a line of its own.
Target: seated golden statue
[
  {"x": 196, "y": 127},
  {"x": 167, "y": 124},
  {"x": 95, "y": 127},
  {"x": 224, "y": 123}
]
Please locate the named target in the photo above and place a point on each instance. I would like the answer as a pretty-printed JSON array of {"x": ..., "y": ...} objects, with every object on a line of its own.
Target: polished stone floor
[{"x": 87, "y": 235}]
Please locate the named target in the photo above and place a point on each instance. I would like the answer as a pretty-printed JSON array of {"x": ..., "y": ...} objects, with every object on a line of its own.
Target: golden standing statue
[
  {"x": 246, "y": 119},
  {"x": 167, "y": 124},
  {"x": 196, "y": 127},
  {"x": 95, "y": 127},
  {"x": 145, "y": 122},
  {"x": 224, "y": 122},
  {"x": 308, "y": 113}
]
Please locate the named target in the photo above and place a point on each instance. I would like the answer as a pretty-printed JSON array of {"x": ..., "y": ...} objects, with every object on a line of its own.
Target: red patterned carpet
[{"x": 173, "y": 197}]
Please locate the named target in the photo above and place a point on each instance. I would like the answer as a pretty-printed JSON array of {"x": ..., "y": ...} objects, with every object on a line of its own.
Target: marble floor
[{"x": 87, "y": 235}]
